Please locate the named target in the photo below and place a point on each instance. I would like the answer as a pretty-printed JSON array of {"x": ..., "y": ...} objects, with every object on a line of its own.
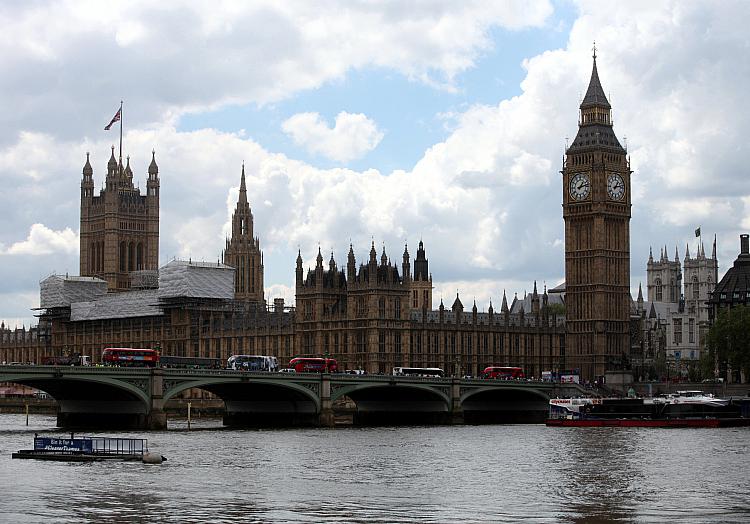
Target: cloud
[
  {"x": 191, "y": 57},
  {"x": 352, "y": 136},
  {"x": 44, "y": 241},
  {"x": 485, "y": 199}
]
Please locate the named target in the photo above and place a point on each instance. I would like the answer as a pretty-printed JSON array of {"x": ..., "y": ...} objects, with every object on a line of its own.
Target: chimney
[{"x": 744, "y": 244}]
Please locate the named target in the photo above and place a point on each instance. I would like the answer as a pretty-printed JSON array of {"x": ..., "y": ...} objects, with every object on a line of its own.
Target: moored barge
[{"x": 683, "y": 409}]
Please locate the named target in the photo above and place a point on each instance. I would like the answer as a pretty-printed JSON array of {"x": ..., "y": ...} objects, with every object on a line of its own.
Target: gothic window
[
  {"x": 677, "y": 330},
  {"x": 425, "y": 300},
  {"x": 308, "y": 310},
  {"x": 691, "y": 330},
  {"x": 381, "y": 343},
  {"x": 123, "y": 256},
  {"x": 672, "y": 296},
  {"x": 397, "y": 342},
  {"x": 657, "y": 285},
  {"x": 397, "y": 308},
  {"x": 381, "y": 307},
  {"x": 696, "y": 288},
  {"x": 414, "y": 302},
  {"x": 131, "y": 257},
  {"x": 139, "y": 256}
]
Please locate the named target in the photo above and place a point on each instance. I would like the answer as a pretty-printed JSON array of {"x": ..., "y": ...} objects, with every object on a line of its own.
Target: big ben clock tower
[{"x": 596, "y": 209}]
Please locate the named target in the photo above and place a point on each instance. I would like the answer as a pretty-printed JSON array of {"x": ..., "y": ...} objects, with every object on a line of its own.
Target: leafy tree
[
  {"x": 556, "y": 309},
  {"x": 729, "y": 338}
]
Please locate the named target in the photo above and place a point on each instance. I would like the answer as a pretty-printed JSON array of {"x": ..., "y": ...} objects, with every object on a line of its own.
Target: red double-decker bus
[
  {"x": 503, "y": 372},
  {"x": 130, "y": 357},
  {"x": 314, "y": 365}
]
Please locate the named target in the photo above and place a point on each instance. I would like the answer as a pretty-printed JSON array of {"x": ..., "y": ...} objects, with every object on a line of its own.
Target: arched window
[
  {"x": 131, "y": 256},
  {"x": 657, "y": 285},
  {"x": 123, "y": 255},
  {"x": 696, "y": 288},
  {"x": 139, "y": 257},
  {"x": 381, "y": 307}
]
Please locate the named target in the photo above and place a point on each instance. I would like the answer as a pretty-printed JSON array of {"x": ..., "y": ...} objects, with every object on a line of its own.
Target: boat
[
  {"x": 679, "y": 409},
  {"x": 87, "y": 449}
]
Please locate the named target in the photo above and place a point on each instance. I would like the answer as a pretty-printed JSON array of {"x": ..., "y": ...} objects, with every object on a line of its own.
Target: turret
[
  {"x": 405, "y": 265},
  {"x": 351, "y": 266},
  {"x": 298, "y": 271}
]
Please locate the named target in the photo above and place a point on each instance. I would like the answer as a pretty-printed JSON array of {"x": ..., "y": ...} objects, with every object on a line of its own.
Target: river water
[{"x": 527, "y": 473}]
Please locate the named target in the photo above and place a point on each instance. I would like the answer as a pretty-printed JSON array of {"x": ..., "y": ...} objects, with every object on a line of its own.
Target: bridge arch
[
  {"x": 395, "y": 402},
  {"x": 504, "y": 405}
]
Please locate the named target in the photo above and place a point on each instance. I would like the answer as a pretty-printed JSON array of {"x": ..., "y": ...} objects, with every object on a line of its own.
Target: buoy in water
[{"x": 153, "y": 458}]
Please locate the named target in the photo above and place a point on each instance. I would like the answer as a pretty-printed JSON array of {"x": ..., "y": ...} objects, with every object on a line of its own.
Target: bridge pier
[
  {"x": 325, "y": 419},
  {"x": 157, "y": 418},
  {"x": 456, "y": 416}
]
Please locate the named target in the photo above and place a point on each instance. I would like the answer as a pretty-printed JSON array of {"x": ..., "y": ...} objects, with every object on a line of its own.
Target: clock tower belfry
[{"x": 596, "y": 210}]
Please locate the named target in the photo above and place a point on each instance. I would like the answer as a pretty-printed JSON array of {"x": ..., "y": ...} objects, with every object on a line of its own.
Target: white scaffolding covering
[
  {"x": 62, "y": 290},
  {"x": 127, "y": 304},
  {"x": 181, "y": 278}
]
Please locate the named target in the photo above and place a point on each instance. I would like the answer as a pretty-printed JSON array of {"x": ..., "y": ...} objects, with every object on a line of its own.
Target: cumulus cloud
[
  {"x": 205, "y": 58},
  {"x": 486, "y": 199},
  {"x": 352, "y": 136},
  {"x": 45, "y": 241}
]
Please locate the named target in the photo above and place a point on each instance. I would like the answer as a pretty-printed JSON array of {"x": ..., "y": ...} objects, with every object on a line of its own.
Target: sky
[{"x": 361, "y": 122}]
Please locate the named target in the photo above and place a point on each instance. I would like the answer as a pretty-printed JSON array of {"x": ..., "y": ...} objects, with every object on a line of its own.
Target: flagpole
[{"x": 120, "y": 135}]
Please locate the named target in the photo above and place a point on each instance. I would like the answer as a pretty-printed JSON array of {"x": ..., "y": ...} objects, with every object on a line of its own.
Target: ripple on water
[{"x": 468, "y": 474}]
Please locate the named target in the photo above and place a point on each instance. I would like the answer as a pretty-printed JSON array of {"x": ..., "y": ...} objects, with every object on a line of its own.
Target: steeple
[
  {"x": 676, "y": 254},
  {"x": 650, "y": 254},
  {"x": 319, "y": 259},
  {"x": 243, "y": 188},
  {"x": 595, "y": 93},
  {"x": 298, "y": 269},
  {"x": 687, "y": 251},
  {"x": 383, "y": 257},
  {"x": 373, "y": 254},
  {"x": 713, "y": 252},
  {"x": 351, "y": 267},
  {"x": 595, "y": 122},
  {"x": 504, "y": 307}
]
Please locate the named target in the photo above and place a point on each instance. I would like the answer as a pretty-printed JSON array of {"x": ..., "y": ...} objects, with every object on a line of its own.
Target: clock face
[
  {"x": 615, "y": 187},
  {"x": 580, "y": 186}
]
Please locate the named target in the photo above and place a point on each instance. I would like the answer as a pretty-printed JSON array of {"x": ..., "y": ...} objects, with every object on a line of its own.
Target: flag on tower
[
  {"x": 698, "y": 231},
  {"x": 115, "y": 118}
]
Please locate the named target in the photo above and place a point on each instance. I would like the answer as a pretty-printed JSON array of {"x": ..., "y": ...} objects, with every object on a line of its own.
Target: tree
[{"x": 728, "y": 340}]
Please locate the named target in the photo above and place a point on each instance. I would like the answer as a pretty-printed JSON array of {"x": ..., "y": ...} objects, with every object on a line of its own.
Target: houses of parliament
[{"x": 365, "y": 311}]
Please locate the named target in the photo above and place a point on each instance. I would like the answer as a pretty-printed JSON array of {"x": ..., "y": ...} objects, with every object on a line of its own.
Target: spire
[
  {"x": 243, "y": 188},
  {"x": 153, "y": 169},
  {"x": 319, "y": 259},
  {"x": 406, "y": 252},
  {"x": 490, "y": 310},
  {"x": 595, "y": 93},
  {"x": 687, "y": 251},
  {"x": 676, "y": 255},
  {"x": 299, "y": 258},
  {"x": 383, "y": 257},
  {"x": 650, "y": 254},
  {"x": 87, "y": 169},
  {"x": 128, "y": 171},
  {"x": 332, "y": 262},
  {"x": 535, "y": 293},
  {"x": 713, "y": 252},
  {"x": 351, "y": 253},
  {"x": 112, "y": 160},
  {"x": 640, "y": 292},
  {"x": 504, "y": 307},
  {"x": 373, "y": 254}
]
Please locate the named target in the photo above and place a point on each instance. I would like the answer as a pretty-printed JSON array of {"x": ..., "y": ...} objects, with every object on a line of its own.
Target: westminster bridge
[{"x": 123, "y": 397}]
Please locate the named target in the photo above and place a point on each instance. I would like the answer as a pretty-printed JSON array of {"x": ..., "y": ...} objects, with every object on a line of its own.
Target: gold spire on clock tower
[{"x": 596, "y": 209}]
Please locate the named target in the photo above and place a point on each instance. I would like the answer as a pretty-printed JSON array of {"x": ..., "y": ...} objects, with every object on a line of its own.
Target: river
[{"x": 473, "y": 474}]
